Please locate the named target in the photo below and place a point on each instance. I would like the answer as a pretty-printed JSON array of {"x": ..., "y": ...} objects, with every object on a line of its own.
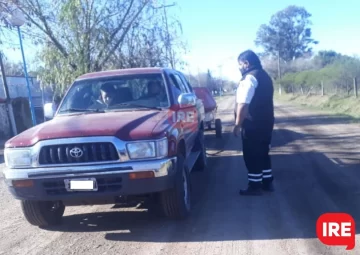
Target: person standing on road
[{"x": 255, "y": 122}]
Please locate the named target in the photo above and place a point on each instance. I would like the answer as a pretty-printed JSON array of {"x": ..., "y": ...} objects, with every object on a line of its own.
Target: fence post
[
  {"x": 355, "y": 88},
  {"x": 280, "y": 89},
  {"x": 322, "y": 88}
]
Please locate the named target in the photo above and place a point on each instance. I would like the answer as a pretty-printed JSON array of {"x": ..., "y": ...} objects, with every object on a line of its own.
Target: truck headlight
[
  {"x": 17, "y": 158},
  {"x": 162, "y": 148},
  {"x": 148, "y": 149}
]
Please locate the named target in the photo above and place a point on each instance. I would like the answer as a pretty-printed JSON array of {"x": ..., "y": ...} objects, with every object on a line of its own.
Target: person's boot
[
  {"x": 251, "y": 191},
  {"x": 269, "y": 187}
]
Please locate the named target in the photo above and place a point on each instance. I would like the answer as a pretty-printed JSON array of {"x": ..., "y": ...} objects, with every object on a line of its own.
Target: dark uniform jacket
[{"x": 261, "y": 108}]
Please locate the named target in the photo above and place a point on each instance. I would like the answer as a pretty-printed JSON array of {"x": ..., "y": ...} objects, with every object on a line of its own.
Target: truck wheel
[
  {"x": 201, "y": 162},
  {"x": 218, "y": 128},
  {"x": 43, "y": 213},
  {"x": 176, "y": 202}
]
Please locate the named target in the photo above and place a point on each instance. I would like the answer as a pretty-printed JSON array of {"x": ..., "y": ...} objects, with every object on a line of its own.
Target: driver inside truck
[
  {"x": 155, "y": 91},
  {"x": 107, "y": 94}
]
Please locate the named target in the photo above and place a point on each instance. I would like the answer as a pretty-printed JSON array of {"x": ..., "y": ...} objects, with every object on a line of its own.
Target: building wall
[
  {"x": 5, "y": 132},
  {"x": 18, "y": 88},
  {"x": 18, "y": 91}
]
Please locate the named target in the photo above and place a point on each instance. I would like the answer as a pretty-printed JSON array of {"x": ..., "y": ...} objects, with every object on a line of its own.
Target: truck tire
[
  {"x": 176, "y": 202},
  {"x": 42, "y": 213},
  {"x": 201, "y": 162},
  {"x": 218, "y": 128}
]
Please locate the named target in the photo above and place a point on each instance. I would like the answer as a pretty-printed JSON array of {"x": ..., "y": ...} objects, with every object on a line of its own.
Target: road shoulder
[{"x": 348, "y": 107}]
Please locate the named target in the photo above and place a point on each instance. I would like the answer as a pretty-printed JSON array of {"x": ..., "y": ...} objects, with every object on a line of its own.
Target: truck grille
[
  {"x": 108, "y": 184},
  {"x": 77, "y": 153}
]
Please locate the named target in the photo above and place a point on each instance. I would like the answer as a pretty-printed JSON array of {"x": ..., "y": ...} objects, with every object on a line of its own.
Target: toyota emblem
[{"x": 76, "y": 152}]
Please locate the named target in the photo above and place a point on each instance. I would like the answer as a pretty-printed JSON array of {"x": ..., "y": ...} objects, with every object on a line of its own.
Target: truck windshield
[{"x": 142, "y": 91}]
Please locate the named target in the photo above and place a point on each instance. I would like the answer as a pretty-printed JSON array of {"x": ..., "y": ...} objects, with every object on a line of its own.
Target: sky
[{"x": 217, "y": 31}]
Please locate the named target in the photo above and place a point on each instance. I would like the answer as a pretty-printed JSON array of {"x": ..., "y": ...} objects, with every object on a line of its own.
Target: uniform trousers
[{"x": 256, "y": 148}]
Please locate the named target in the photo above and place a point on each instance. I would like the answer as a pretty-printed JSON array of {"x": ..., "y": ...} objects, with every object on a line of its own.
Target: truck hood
[{"x": 134, "y": 125}]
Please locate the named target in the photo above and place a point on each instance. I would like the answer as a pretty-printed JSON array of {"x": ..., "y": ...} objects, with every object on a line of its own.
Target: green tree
[
  {"x": 288, "y": 34},
  {"x": 5, "y": 9},
  {"x": 326, "y": 57},
  {"x": 148, "y": 43},
  {"x": 80, "y": 36},
  {"x": 12, "y": 68}
]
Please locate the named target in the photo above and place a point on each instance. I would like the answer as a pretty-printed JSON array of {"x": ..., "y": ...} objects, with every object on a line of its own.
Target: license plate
[{"x": 85, "y": 184}]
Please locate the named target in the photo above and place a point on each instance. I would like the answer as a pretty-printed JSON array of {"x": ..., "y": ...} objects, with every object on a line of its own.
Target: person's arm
[
  {"x": 241, "y": 112},
  {"x": 244, "y": 95}
]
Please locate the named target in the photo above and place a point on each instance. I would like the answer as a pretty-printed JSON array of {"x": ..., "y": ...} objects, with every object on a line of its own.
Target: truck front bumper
[{"x": 112, "y": 180}]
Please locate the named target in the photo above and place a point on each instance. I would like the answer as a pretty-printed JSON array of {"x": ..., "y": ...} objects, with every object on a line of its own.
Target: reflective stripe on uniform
[
  {"x": 255, "y": 180},
  {"x": 255, "y": 175},
  {"x": 267, "y": 173}
]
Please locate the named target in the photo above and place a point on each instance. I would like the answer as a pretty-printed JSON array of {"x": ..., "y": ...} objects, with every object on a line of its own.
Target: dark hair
[
  {"x": 57, "y": 99},
  {"x": 250, "y": 57},
  {"x": 154, "y": 82},
  {"x": 108, "y": 88}
]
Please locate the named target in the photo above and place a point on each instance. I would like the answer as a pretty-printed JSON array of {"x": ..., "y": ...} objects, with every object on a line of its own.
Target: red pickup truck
[
  {"x": 210, "y": 107},
  {"x": 117, "y": 137}
]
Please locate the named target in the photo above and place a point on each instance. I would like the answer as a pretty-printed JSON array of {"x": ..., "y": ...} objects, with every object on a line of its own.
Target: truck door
[
  {"x": 186, "y": 116},
  {"x": 200, "y": 112}
]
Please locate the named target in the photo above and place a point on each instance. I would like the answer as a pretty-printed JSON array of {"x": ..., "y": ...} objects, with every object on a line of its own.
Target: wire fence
[{"x": 344, "y": 89}]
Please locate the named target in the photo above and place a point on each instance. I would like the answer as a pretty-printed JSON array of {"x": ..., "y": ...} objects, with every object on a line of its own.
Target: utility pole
[
  {"x": 278, "y": 59},
  {"x": 168, "y": 45},
  {"x": 188, "y": 66},
  {"x": 169, "y": 53},
  {"x": 198, "y": 75},
  {"x": 9, "y": 109},
  {"x": 355, "y": 88},
  {"x": 279, "y": 72},
  {"x": 221, "y": 78}
]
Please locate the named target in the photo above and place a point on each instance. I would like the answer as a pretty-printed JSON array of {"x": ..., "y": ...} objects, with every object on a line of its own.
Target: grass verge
[{"x": 334, "y": 105}]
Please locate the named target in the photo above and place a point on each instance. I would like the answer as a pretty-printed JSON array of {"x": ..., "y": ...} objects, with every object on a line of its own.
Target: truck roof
[{"x": 127, "y": 71}]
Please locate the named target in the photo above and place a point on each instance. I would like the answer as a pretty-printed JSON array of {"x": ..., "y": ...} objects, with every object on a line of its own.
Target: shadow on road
[
  {"x": 219, "y": 214},
  {"x": 281, "y": 137},
  {"x": 307, "y": 185}
]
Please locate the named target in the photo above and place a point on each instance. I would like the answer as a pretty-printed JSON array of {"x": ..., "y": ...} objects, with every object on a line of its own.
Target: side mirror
[
  {"x": 49, "y": 111},
  {"x": 186, "y": 100}
]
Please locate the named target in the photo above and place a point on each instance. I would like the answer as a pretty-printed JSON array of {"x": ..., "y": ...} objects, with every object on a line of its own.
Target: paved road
[{"x": 316, "y": 161}]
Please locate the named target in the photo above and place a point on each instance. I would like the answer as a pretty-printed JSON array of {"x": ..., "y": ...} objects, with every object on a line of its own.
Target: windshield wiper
[
  {"x": 138, "y": 105},
  {"x": 82, "y": 110}
]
